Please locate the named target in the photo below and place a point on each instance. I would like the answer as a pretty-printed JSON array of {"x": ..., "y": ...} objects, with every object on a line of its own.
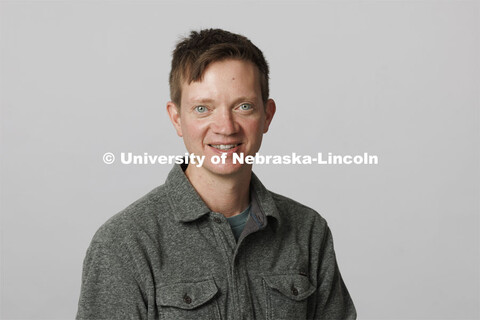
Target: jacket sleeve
[
  {"x": 110, "y": 289},
  {"x": 332, "y": 298}
]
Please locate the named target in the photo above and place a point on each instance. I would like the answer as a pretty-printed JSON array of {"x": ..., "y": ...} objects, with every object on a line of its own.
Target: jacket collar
[
  {"x": 262, "y": 202},
  {"x": 188, "y": 206}
]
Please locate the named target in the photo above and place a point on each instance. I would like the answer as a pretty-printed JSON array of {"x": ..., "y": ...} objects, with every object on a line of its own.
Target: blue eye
[
  {"x": 201, "y": 109},
  {"x": 245, "y": 106}
]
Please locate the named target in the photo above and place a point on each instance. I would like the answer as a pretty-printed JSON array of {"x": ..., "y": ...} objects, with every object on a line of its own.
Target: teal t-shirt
[{"x": 237, "y": 223}]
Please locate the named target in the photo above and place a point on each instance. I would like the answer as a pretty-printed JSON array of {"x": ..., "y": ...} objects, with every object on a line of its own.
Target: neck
[{"x": 225, "y": 194}]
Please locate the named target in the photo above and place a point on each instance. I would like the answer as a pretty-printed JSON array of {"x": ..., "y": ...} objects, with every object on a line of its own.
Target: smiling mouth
[{"x": 224, "y": 147}]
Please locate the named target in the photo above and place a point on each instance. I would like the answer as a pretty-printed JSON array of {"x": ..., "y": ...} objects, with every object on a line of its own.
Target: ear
[
  {"x": 174, "y": 114},
  {"x": 270, "y": 109}
]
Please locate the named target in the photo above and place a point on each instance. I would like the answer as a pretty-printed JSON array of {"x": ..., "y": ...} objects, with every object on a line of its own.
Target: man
[{"x": 213, "y": 242}]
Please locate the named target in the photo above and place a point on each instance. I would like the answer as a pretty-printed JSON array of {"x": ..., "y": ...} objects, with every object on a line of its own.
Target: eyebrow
[
  {"x": 202, "y": 100},
  {"x": 236, "y": 101}
]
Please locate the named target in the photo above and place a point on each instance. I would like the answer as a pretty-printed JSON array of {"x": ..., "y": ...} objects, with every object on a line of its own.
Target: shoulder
[
  {"x": 296, "y": 213},
  {"x": 135, "y": 223},
  {"x": 300, "y": 224}
]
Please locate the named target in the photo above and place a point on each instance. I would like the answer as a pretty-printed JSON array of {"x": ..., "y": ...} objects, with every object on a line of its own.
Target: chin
[{"x": 226, "y": 169}]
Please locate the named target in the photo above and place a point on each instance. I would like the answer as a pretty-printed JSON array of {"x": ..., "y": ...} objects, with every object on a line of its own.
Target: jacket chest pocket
[
  {"x": 286, "y": 296},
  {"x": 188, "y": 300}
]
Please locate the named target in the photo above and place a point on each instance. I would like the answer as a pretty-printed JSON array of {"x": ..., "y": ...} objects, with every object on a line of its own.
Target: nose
[{"x": 224, "y": 122}]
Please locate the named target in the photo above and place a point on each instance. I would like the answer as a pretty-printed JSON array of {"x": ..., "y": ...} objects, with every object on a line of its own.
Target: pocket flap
[
  {"x": 295, "y": 286},
  {"x": 187, "y": 295}
]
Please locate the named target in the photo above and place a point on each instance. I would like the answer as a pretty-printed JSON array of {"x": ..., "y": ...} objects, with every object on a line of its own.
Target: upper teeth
[{"x": 224, "y": 146}]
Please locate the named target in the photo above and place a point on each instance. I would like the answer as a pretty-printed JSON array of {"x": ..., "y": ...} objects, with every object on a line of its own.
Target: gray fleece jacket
[{"x": 167, "y": 256}]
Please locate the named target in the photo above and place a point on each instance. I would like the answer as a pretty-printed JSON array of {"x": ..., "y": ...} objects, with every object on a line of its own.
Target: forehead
[{"x": 225, "y": 79}]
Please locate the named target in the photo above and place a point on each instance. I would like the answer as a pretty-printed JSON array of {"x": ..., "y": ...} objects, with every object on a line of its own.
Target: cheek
[
  {"x": 254, "y": 129},
  {"x": 193, "y": 130},
  {"x": 256, "y": 126}
]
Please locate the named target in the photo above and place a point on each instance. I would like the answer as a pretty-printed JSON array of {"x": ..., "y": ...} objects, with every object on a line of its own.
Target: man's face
[{"x": 223, "y": 113}]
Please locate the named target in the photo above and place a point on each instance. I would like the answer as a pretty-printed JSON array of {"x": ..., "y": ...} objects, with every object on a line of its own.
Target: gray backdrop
[{"x": 399, "y": 79}]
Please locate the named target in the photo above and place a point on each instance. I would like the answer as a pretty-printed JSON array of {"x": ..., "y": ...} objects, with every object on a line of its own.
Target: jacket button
[
  {"x": 217, "y": 220},
  {"x": 187, "y": 299},
  {"x": 294, "y": 291}
]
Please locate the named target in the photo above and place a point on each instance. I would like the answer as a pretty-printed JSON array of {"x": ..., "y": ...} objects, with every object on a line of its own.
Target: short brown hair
[{"x": 193, "y": 54}]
